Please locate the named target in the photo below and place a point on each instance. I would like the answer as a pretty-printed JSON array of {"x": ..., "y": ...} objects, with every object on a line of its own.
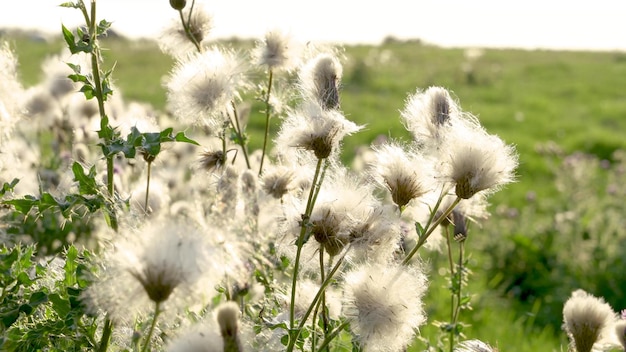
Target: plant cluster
[
  {"x": 128, "y": 237},
  {"x": 534, "y": 261}
]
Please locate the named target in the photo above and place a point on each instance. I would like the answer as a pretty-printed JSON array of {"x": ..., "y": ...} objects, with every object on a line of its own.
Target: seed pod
[{"x": 178, "y": 4}]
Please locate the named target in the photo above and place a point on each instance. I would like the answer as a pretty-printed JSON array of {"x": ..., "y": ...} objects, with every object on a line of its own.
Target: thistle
[{"x": 585, "y": 319}]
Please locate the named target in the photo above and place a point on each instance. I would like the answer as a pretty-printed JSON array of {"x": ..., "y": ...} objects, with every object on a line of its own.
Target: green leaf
[
  {"x": 70, "y": 266},
  {"x": 60, "y": 305},
  {"x": 8, "y": 187},
  {"x": 23, "y": 205},
  {"x": 180, "y": 137},
  {"x": 419, "y": 229},
  {"x": 88, "y": 91},
  {"x": 10, "y": 317},
  {"x": 38, "y": 298},
  {"x": 69, "y": 38},
  {"x": 103, "y": 27},
  {"x": 77, "y": 77},
  {"x": 70, "y": 5},
  {"x": 86, "y": 182},
  {"x": 24, "y": 279}
]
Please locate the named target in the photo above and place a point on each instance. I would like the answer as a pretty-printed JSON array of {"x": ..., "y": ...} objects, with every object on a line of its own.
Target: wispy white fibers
[
  {"x": 474, "y": 346},
  {"x": 586, "y": 319},
  {"x": 277, "y": 52},
  {"x": 165, "y": 261},
  {"x": 320, "y": 80},
  {"x": 384, "y": 305},
  {"x": 315, "y": 129},
  {"x": 203, "y": 86},
  {"x": 428, "y": 114},
  {"x": 407, "y": 175},
  {"x": 477, "y": 161},
  {"x": 174, "y": 41},
  {"x": 10, "y": 91}
]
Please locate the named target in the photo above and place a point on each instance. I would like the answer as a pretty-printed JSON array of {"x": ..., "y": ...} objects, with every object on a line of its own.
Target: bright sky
[{"x": 555, "y": 24}]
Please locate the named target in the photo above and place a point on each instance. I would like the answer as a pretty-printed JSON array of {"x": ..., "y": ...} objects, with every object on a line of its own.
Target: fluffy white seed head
[
  {"x": 384, "y": 305},
  {"x": 10, "y": 91},
  {"x": 478, "y": 162},
  {"x": 320, "y": 79},
  {"x": 376, "y": 238},
  {"x": 165, "y": 261},
  {"x": 277, "y": 51},
  {"x": 407, "y": 175},
  {"x": 315, "y": 129},
  {"x": 428, "y": 114},
  {"x": 202, "y": 87},
  {"x": 585, "y": 319},
  {"x": 175, "y": 42}
]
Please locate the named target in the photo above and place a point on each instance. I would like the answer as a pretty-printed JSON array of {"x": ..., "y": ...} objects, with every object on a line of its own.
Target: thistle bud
[{"x": 178, "y": 4}]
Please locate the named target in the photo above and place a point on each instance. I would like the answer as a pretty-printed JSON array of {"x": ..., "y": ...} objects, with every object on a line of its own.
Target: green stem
[
  {"x": 461, "y": 268},
  {"x": 95, "y": 70},
  {"x": 452, "y": 294},
  {"x": 295, "y": 334},
  {"x": 430, "y": 228},
  {"x": 110, "y": 208},
  {"x": 106, "y": 335},
  {"x": 157, "y": 311},
  {"x": 325, "y": 322},
  {"x": 300, "y": 244},
  {"x": 145, "y": 206},
  {"x": 188, "y": 29},
  {"x": 240, "y": 139},
  {"x": 330, "y": 337},
  {"x": 268, "y": 109}
]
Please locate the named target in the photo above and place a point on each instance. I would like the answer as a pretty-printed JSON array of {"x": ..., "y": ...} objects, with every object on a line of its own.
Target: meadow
[{"x": 565, "y": 112}]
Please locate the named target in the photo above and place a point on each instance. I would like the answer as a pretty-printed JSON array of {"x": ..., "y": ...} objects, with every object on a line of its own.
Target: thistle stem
[
  {"x": 325, "y": 322},
  {"x": 300, "y": 243},
  {"x": 106, "y": 335},
  {"x": 430, "y": 228},
  {"x": 268, "y": 109},
  {"x": 188, "y": 29},
  {"x": 330, "y": 337},
  {"x": 240, "y": 139},
  {"x": 157, "y": 311},
  {"x": 452, "y": 294},
  {"x": 294, "y": 334},
  {"x": 145, "y": 204}
]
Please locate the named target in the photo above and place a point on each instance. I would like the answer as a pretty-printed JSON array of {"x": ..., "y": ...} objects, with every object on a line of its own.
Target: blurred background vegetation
[{"x": 559, "y": 228}]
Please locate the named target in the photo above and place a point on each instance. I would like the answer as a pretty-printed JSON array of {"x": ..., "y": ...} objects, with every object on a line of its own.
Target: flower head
[
  {"x": 407, "y": 175},
  {"x": 167, "y": 261},
  {"x": 320, "y": 79},
  {"x": 174, "y": 40},
  {"x": 427, "y": 114},
  {"x": 277, "y": 181},
  {"x": 585, "y": 319},
  {"x": 10, "y": 91},
  {"x": 384, "y": 305},
  {"x": 228, "y": 320},
  {"x": 204, "y": 86},
  {"x": 277, "y": 51},
  {"x": 376, "y": 238},
  {"x": 315, "y": 129},
  {"x": 478, "y": 161}
]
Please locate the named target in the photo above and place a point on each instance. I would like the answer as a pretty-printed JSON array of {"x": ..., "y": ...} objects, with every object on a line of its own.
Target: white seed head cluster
[
  {"x": 277, "y": 51},
  {"x": 204, "y": 86},
  {"x": 586, "y": 319},
  {"x": 174, "y": 40},
  {"x": 384, "y": 305}
]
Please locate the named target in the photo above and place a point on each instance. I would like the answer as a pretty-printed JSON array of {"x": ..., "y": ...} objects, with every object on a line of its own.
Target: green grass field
[{"x": 531, "y": 99}]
